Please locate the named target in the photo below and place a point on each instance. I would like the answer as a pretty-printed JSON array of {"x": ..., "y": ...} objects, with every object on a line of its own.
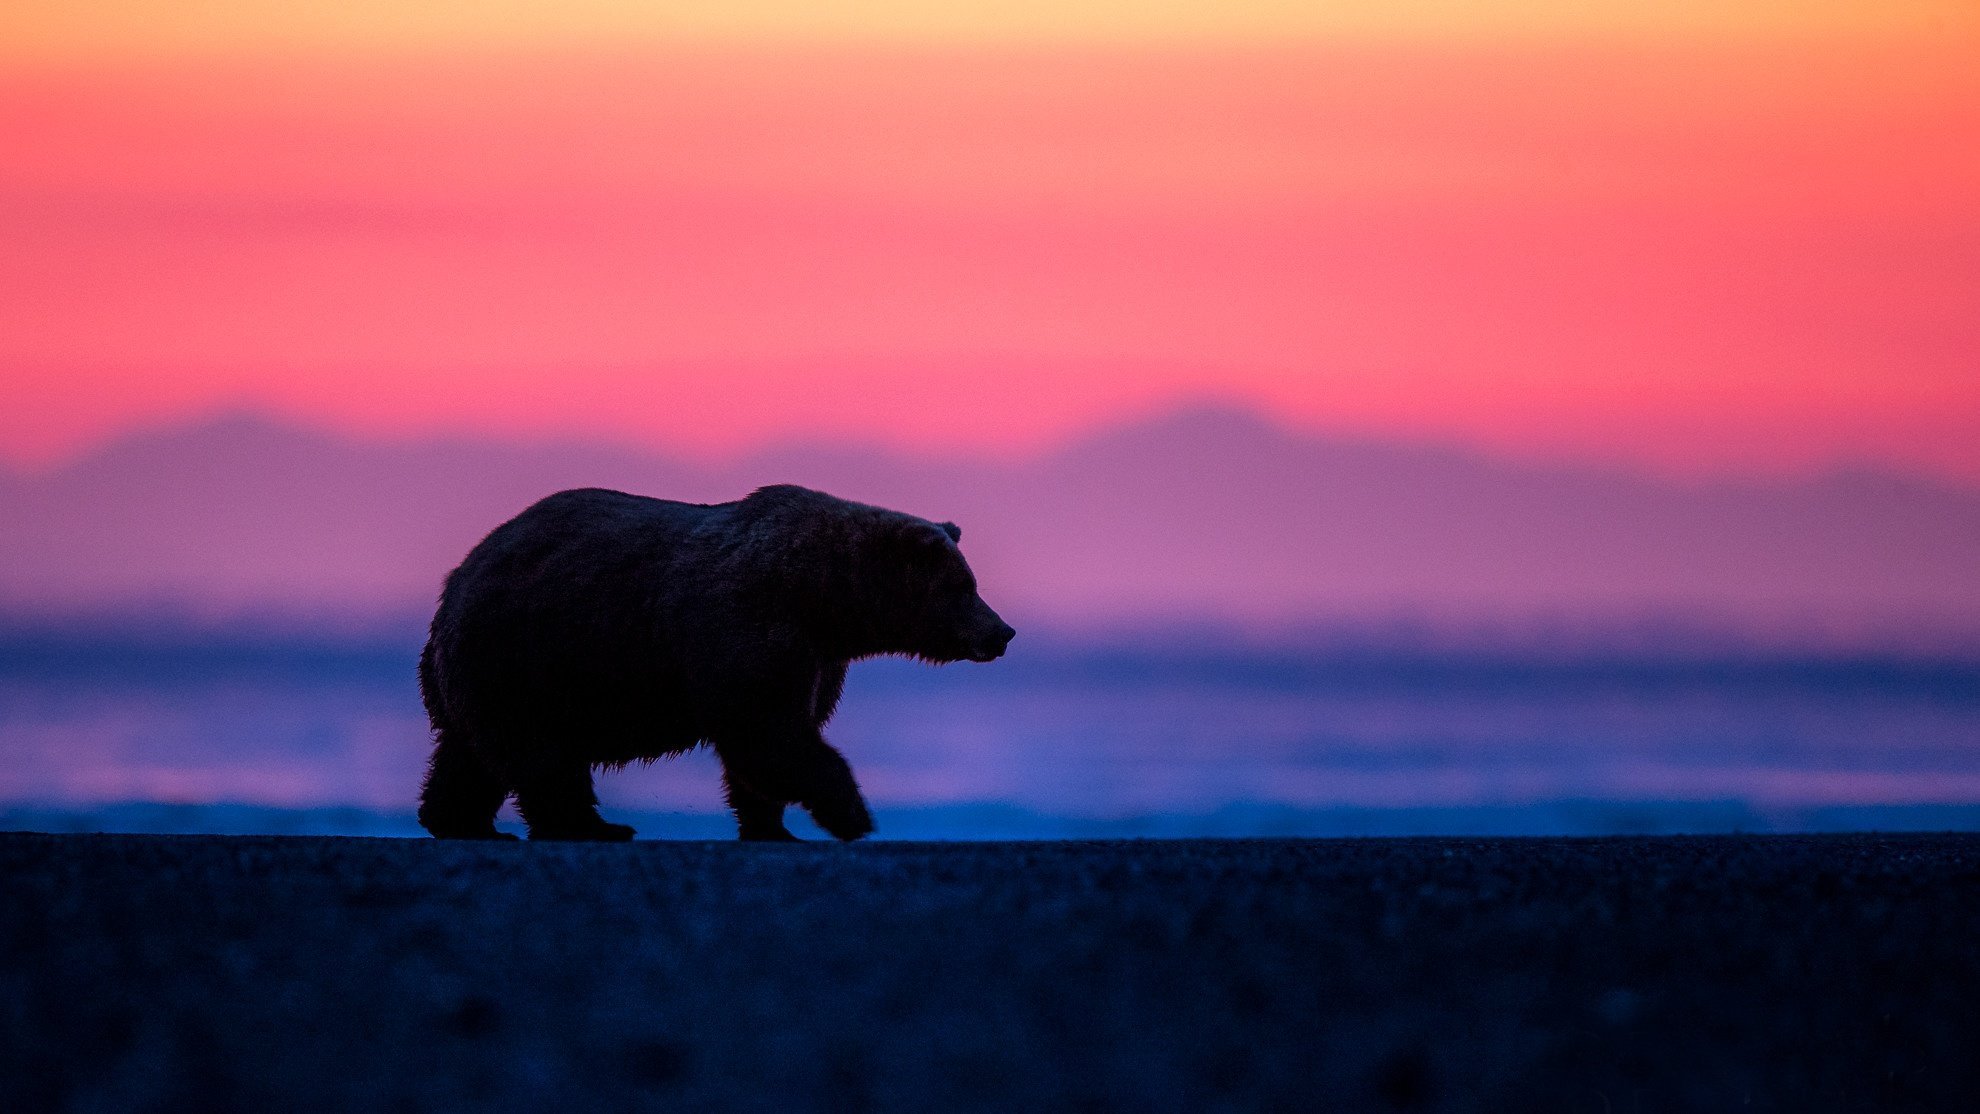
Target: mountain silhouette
[{"x": 1209, "y": 512}]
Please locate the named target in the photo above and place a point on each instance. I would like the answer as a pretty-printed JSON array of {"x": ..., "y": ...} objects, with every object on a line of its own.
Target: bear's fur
[{"x": 598, "y": 628}]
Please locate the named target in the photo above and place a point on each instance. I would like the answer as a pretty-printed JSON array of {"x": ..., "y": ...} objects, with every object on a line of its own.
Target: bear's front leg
[{"x": 795, "y": 764}]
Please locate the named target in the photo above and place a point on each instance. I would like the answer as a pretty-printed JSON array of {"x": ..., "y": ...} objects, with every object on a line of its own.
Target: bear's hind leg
[
  {"x": 460, "y": 797},
  {"x": 558, "y": 803},
  {"x": 757, "y": 817}
]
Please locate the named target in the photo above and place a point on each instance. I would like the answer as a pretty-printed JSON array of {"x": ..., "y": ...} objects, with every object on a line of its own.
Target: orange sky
[{"x": 1695, "y": 235}]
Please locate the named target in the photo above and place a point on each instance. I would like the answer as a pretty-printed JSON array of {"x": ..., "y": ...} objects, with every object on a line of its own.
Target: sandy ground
[{"x": 1605, "y": 975}]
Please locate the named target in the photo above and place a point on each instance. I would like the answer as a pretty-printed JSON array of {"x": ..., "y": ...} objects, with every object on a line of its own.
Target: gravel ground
[{"x": 211, "y": 973}]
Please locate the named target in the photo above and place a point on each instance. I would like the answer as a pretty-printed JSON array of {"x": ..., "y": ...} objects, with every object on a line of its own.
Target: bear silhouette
[{"x": 598, "y": 628}]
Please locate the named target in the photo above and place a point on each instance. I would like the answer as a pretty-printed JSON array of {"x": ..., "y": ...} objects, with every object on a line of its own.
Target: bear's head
[{"x": 940, "y": 616}]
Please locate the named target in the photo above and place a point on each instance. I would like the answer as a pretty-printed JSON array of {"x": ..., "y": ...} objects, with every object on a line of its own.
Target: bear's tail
[{"x": 429, "y": 688}]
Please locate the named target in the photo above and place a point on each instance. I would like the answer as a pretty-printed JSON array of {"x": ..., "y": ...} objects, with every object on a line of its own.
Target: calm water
[{"x": 1060, "y": 741}]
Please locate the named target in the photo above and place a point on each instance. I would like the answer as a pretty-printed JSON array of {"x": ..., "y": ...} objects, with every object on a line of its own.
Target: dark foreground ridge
[{"x": 1605, "y": 975}]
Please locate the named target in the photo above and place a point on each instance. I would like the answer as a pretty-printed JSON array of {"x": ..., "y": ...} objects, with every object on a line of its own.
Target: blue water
[{"x": 1060, "y": 740}]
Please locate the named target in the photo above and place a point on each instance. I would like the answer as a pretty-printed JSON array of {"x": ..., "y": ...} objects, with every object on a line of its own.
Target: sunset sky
[{"x": 1696, "y": 236}]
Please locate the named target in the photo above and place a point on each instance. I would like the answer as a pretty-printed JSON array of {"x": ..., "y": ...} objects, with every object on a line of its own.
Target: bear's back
[{"x": 576, "y": 544}]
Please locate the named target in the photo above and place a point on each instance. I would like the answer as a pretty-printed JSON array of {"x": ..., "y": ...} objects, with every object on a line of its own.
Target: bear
[{"x": 599, "y": 628}]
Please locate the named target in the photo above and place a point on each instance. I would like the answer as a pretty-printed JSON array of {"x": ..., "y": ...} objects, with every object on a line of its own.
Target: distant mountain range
[{"x": 1211, "y": 514}]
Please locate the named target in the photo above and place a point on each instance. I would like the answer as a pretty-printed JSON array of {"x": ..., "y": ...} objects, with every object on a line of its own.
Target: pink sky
[{"x": 1701, "y": 243}]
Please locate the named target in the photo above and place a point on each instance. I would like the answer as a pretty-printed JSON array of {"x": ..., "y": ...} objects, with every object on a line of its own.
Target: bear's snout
[{"x": 990, "y": 645}]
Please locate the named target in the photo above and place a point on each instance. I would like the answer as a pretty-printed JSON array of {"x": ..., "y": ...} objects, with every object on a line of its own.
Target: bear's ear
[
  {"x": 923, "y": 544},
  {"x": 954, "y": 531}
]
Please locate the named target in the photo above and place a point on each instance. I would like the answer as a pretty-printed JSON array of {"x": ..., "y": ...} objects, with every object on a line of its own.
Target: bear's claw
[{"x": 846, "y": 821}]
